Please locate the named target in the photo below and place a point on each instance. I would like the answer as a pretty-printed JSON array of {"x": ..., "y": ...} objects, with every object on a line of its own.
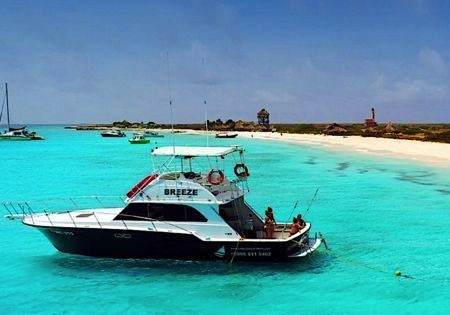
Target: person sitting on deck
[
  {"x": 269, "y": 223},
  {"x": 295, "y": 227},
  {"x": 301, "y": 222}
]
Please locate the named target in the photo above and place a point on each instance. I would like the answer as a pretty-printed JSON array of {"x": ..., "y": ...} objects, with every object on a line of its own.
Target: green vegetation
[
  {"x": 421, "y": 132},
  {"x": 127, "y": 124}
]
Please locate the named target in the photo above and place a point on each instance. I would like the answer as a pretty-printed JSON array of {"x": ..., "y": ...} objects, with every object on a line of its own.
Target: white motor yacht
[{"x": 191, "y": 207}]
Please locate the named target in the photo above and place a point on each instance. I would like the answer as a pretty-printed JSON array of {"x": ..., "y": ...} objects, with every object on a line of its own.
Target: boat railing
[
  {"x": 36, "y": 210},
  {"x": 20, "y": 209}
]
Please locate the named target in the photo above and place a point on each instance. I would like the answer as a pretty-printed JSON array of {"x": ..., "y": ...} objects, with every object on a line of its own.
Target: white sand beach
[
  {"x": 432, "y": 153},
  {"x": 428, "y": 152}
]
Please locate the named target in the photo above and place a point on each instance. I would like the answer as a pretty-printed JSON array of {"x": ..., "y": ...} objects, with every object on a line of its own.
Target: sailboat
[{"x": 15, "y": 134}]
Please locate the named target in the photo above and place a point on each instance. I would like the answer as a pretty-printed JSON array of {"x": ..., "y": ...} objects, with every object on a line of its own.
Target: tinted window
[{"x": 161, "y": 212}]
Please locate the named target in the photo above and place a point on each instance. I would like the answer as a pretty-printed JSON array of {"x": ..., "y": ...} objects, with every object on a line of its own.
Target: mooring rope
[
  {"x": 235, "y": 250},
  {"x": 354, "y": 262}
]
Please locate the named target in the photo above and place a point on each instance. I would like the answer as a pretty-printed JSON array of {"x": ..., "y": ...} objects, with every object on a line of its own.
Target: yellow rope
[
  {"x": 235, "y": 250},
  {"x": 397, "y": 273}
]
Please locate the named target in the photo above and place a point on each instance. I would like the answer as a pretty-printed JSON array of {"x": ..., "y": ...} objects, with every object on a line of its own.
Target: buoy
[{"x": 398, "y": 273}]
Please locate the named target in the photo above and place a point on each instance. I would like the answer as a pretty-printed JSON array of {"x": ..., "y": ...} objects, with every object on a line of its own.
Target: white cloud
[
  {"x": 433, "y": 61},
  {"x": 413, "y": 90}
]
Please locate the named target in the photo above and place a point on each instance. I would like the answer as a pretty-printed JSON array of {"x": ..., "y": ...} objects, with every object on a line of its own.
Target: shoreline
[
  {"x": 427, "y": 152},
  {"x": 431, "y": 153}
]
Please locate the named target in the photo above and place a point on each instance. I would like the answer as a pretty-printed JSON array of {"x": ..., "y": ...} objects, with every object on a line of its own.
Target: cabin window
[{"x": 139, "y": 211}]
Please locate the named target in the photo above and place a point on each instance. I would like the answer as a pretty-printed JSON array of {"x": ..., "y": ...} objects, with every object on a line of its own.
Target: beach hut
[
  {"x": 390, "y": 128},
  {"x": 335, "y": 130}
]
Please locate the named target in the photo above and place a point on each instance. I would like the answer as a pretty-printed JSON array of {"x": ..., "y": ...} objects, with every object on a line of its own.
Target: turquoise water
[{"x": 378, "y": 215}]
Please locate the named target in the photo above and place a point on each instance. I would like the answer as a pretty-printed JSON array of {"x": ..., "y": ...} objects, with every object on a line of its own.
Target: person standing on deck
[{"x": 269, "y": 223}]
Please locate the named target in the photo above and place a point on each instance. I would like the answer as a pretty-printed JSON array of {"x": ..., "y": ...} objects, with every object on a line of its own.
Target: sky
[{"x": 304, "y": 61}]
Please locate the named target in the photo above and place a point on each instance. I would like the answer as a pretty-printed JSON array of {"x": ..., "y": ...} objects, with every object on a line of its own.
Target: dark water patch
[
  {"x": 418, "y": 178},
  {"x": 421, "y": 183},
  {"x": 443, "y": 191},
  {"x": 336, "y": 172},
  {"x": 311, "y": 161},
  {"x": 343, "y": 166},
  {"x": 362, "y": 171}
]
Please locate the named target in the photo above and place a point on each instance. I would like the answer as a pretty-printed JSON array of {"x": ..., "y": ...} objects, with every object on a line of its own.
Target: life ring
[
  {"x": 215, "y": 180},
  {"x": 241, "y": 170}
]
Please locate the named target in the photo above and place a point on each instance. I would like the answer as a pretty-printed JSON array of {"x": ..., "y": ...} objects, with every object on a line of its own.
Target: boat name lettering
[
  {"x": 62, "y": 232},
  {"x": 253, "y": 253},
  {"x": 120, "y": 235},
  {"x": 183, "y": 192}
]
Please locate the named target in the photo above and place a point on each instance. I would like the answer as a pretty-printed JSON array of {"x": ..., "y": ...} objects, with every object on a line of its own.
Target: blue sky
[{"x": 305, "y": 61}]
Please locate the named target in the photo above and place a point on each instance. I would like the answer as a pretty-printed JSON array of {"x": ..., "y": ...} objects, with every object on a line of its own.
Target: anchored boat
[
  {"x": 16, "y": 134},
  {"x": 113, "y": 133},
  {"x": 226, "y": 135},
  {"x": 191, "y": 207},
  {"x": 138, "y": 138},
  {"x": 153, "y": 134}
]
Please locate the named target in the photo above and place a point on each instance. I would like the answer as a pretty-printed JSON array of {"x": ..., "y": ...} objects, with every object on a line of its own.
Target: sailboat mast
[{"x": 7, "y": 105}]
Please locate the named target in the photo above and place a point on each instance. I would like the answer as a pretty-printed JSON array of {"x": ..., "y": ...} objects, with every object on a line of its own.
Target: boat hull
[
  {"x": 139, "y": 141},
  {"x": 14, "y": 138},
  {"x": 37, "y": 138},
  {"x": 112, "y": 136},
  {"x": 119, "y": 243},
  {"x": 147, "y": 135}
]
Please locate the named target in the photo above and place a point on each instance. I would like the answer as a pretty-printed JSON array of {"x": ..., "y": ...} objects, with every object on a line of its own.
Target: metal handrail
[
  {"x": 21, "y": 209},
  {"x": 122, "y": 198},
  {"x": 73, "y": 221},
  {"x": 97, "y": 220},
  {"x": 48, "y": 217}
]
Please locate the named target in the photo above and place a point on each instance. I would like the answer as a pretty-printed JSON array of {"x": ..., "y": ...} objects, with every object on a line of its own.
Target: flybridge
[{"x": 183, "y": 151}]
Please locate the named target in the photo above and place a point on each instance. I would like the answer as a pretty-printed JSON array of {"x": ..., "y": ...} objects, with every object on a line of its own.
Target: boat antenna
[
  {"x": 170, "y": 100},
  {"x": 295, "y": 206},
  {"x": 312, "y": 199},
  {"x": 205, "y": 107},
  {"x": 3, "y": 106},
  {"x": 290, "y": 215},
  {"x": 7, "y": 106}
]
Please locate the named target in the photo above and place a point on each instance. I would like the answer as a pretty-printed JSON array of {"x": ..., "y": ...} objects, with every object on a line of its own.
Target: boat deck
[{"x": 104, "y": 219}]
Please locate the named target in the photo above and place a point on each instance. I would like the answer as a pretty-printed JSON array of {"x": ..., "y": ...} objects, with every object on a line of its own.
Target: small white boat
[
  {"x": 138, "y": 138},
  {"x": 153, "y": 134},
  {"x": 16, "y": 134},
  {"x": 226, "y": 135},
  {"x": 113, "y": 133}
]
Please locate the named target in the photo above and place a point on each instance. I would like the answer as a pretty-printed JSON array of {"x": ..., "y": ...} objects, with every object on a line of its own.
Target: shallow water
[{"x": 378, "y": 215}]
